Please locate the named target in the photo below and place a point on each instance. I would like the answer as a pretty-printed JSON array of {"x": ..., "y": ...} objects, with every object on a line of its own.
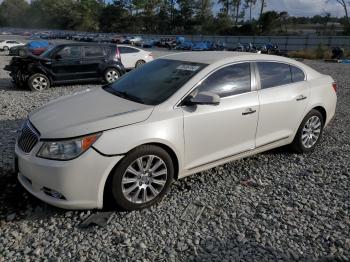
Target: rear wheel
[
  {"x": 6, "y": 48},
  {"x": 139, "y": 63},
  {"x": 309, "y": 132},
  {"x": 111, "y": 75},
  {"x": 38, "y": 82},
  {"x": 142, "y": 178}
]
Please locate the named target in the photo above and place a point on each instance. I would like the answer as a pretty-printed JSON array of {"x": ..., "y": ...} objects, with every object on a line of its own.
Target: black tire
[
  {"x": 120, "y": 173},
  {"x": 298, "y": 145},
  {"x": 38, "y": 82},
  {"x": 6, "y": 48},
  {"x": 139, "y": 63},
  {"x": 111, "y": 75},
  {"x": 22, "y": 53}
]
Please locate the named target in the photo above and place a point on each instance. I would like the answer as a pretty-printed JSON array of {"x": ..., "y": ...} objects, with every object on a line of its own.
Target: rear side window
[
  {"x": 127, "y": 50},
  {"x": 228, "y": 81},
  {"x": 274, "y": 74},
  {"x": 93, "y": 51},
  {"x": 297, "y": 74}
]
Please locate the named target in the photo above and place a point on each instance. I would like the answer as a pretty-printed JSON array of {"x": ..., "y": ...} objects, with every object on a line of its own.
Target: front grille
[{"x": 28, "y": 138}]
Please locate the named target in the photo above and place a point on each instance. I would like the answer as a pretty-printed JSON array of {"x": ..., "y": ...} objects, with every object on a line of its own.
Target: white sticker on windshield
[{"x": 187, "y": 67}]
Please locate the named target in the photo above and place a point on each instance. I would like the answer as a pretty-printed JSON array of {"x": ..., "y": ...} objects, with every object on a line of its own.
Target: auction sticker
[{"x": 188, "y": 67}]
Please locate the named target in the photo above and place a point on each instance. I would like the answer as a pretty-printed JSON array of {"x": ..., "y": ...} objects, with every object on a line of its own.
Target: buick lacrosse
[{"x": 178, "y": 115}]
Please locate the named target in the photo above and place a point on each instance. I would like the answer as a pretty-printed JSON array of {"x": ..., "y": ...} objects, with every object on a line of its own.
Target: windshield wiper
[{"x": 128, "y": 96}]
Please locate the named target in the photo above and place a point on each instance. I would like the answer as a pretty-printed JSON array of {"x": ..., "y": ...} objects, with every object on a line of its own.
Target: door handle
[
  {"x": 301, "y": 97},
  {"x": 248, "y": 111}
]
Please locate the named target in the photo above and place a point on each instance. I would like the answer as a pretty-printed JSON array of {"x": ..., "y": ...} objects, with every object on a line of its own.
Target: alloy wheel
[
  {"x": 39, "y": 83},
  {"x": 311, "y": 131},
  {"x": 112, "y": 76},
  {"x": 144, "y": 179}
]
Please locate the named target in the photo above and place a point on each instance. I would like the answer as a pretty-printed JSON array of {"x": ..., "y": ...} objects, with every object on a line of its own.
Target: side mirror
[
  {"x": 58, "y": 57},
  {"x": 203, "y": 98}
]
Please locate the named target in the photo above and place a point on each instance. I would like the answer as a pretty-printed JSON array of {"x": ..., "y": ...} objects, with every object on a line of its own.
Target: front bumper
[{"x": 73, "y": 184}]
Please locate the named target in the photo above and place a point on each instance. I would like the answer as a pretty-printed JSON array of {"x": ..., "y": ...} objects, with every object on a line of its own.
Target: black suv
[{"x": 67, "y": 63}]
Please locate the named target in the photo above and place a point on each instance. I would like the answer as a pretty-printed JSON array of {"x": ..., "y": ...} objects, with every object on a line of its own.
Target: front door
[
  {"x": 66, "y": 64},
  {"x": 216, "y": 132}
]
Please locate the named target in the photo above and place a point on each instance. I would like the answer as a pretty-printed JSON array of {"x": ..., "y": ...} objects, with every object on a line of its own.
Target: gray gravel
[{"x": 273, "y": 206}]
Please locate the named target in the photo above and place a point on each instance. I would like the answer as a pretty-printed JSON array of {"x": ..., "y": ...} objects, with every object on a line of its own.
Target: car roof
[
  {"x": 218, "y": 58},
  {"x": 205, "y": 57},
  {"x": 211, "y": 57},
  {"x": 86, "y": 44}
]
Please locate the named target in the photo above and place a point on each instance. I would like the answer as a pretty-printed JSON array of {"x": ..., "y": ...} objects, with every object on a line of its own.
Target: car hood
[{"x": 85, "y": 113}]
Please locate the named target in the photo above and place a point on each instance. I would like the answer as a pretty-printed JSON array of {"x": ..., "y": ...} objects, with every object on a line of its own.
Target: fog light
[{"x": 53, "y": 193}]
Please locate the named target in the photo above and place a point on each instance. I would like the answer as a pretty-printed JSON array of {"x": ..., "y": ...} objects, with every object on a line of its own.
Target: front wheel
[
  {"x": 309, "y": 132},
  {"x": 38, "y": 82},
  {"x": 111, "y": 75},
  {"x": 6, "y": 48},
  {"x": 142, "y": 178}
]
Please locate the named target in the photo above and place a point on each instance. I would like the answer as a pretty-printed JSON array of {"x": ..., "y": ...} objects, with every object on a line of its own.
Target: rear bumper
[{"x": 74, "y": 184}]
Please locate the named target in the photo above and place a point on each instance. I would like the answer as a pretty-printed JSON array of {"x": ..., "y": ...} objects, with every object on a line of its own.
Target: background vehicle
[
  {"x": 67, "y": 63},
  {"x": 132, "y": 57},
  {"x": 7, "y": 44},
  {"x": 150, "y": 126},
  {"x": 133, "y": 40},
  {"x": 35, "y": 47}
]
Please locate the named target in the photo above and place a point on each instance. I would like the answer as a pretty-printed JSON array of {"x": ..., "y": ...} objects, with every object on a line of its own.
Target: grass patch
[{"x": 321, "y": 52}]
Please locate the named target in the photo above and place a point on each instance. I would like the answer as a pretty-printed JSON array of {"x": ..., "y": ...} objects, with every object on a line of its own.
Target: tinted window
[
  {"x": 274, "y": 74},
  {"x": 156, "y": 81},
  {"x": 297, "y": 74},
  {"x": 228, "y": 81},
  {"x": 69, "y": 52},
  {"x": 93, "y": 51},
  {"x": 127, "y": 50}
]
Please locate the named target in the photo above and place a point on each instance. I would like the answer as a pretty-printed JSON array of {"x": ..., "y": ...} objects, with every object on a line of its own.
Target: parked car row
[{"x": 74, "y": 62}]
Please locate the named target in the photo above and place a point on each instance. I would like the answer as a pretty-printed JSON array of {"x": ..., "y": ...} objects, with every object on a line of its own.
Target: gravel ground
[{"x": 273, "y": 206}]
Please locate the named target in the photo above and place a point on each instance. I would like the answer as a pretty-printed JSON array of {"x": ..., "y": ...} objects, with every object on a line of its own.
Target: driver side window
[
  {"x": 69, "y": 52},
  {"x": 228, "y": 81}
]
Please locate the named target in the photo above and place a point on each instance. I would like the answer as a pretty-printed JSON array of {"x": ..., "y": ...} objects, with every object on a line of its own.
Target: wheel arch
[
  {"x": 106, "y": 190},
  {"x": 323, "y": 112}
]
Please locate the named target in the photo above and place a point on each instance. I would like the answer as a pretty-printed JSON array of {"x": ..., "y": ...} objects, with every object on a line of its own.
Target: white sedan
[
  {"x": 7, "y": 44},
  {"x": 173, "y": 117},
  {"x": 133, "y": 57}
]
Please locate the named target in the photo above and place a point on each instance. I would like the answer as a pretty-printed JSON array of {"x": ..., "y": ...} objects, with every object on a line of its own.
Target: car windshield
[
  {"x": 47, "y": 53},
  {"x": 155, "y": 82}
]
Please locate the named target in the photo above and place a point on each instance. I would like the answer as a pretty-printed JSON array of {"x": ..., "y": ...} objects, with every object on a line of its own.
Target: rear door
[
  {"x": 66, "y": 64},
  {"x": 93, "y": 57},
  {"x": 129, "y": 56},
  {"x": 284, "y": 94}
]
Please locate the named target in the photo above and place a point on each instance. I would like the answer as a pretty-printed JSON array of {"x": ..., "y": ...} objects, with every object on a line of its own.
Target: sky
[
  {"x": 304, "y": 7},
  {"x": 296, "y": 7}
]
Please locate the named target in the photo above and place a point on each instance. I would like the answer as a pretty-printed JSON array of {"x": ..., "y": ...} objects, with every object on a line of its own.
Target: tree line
[{"x": 219, "y": 17}]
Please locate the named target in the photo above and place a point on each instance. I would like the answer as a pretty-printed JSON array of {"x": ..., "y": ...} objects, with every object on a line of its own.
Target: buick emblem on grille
[{"x": 28, "y": 138}]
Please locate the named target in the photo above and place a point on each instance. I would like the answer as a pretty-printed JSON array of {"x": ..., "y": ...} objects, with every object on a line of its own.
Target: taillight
[
  {"x": 117, "y": 55},
  {"x": 150, "y": 54},
  {"x": 334, "y": 85}
]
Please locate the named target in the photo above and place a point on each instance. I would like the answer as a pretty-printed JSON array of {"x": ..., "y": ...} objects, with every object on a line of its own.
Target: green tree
[
  {"x": 115, "y": 17},
  {"x": 14, "y": 13},
  {"x": 269, "y": 21}
]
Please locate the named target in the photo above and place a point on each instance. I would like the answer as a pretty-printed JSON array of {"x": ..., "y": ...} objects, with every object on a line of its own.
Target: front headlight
[{"x": 67, "y": 149}]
